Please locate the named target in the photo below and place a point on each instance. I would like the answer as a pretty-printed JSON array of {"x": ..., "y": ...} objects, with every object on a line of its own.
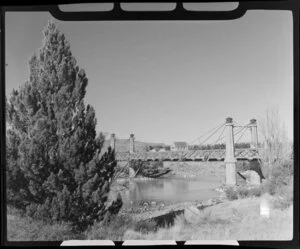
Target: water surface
[{"x": 170, "y": 190}]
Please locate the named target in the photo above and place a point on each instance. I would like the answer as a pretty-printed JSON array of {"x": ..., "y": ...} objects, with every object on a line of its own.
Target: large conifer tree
[{"x": 53, "y": 164}]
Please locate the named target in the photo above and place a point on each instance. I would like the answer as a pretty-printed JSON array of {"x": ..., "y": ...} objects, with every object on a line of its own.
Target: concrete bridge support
[
  {"x": 131, "y": 144},
  {"x": 230, "y": 160},
  {"x": 113, "y": 141},
  {"x": 254, "y": 136}
]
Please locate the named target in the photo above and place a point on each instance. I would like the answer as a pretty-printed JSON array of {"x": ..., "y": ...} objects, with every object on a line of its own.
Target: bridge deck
[{"x": 191, "y": 155}]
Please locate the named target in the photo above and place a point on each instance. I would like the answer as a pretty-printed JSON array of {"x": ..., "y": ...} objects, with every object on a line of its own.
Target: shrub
[
  {"x": 245, "y": 191},
  {"x": 231, "y": 193},
  {"x": 113, "y": 230},
  {"x": 280, "y": 175},
  {"x": 23, "y": 228},
  {"x": 54, "y": 168},
  {"x": 146, "y": 226},
  {"x": 145, "y": 167}
]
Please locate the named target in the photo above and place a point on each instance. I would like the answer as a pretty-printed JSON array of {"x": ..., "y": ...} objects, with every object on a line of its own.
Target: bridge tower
[
  {"x": 230, "y": 160},
  {"x": 112, "y": 140},
  {"x": 254, "y": 136},
  {"x": 131, "y": 144}
]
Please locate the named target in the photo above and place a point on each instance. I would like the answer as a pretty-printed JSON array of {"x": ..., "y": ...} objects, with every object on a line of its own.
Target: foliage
[
  {"x": 275, "y": 139},
  {"x": 145, "y": 226},
  {"x": 245, "y": 191},
  {"x": 20, "y": 227},
  {"x": 144, "y": 168},
  {"x": 53, "y": 166},
  {"x": 114, "y": 230},
  {"x": 242, "y": 191},
  {"x": 218, "y": 146},
  {"x": 231, "y": 193},
  {"x": 235, "y": 220},
  {"x": 280, "y": 177}
]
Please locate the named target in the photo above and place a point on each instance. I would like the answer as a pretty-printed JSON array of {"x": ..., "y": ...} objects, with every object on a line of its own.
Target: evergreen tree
[{"x": 54, "y": 167}]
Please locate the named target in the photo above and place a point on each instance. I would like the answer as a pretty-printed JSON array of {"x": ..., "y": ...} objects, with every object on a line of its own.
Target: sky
[{"x": 170, "y": 81}]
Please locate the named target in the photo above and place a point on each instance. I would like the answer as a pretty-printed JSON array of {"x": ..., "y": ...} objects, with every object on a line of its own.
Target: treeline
[{"x": 218, "y": 146}]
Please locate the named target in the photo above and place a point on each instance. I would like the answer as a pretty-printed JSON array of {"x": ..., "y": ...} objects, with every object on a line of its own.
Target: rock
[
  {"x": 252, "y": 177},
  {"x": 191, "y": 214},
  {"x": 131, "y": 172},
  {"x": 153, "y": 203}
]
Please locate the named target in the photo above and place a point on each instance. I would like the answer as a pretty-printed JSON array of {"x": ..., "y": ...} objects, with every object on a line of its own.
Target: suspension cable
[
  {"x": 239, "y": 130},
  {"x": 207, "y": 132},
  {"x": 211, "y": 135},
  {"x": 242, "y": 128},
  {"x": 215, "y": 143},
  {"x": 219, "y": 138},
  {"x": 241, "y": 135}
]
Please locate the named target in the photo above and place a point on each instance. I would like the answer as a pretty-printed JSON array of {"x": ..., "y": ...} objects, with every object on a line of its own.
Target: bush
[
  {"x": 231, "y": 193},
  {"x": 279, "y": 176},
  {"x": 113, "y": 230},
  {"x": 144, "y": 168},
  {"x": 23, "y": 228},
  {"x": 145, "y": 226},
  {"x": 245, "y": 191}
]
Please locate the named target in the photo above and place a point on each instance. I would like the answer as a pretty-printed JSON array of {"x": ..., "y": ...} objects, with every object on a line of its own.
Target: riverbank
[{"x": 239, "y": 220}]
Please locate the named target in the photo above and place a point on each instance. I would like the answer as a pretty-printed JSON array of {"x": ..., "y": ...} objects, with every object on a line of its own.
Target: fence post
[
  {"x": 230, "y": 160},
  {"x": 131, "y": 144},
  {"x": 254, "y": 136},
  {"x": 112, "y": 140}
]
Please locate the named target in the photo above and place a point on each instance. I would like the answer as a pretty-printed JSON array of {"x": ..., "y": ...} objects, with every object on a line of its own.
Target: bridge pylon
[
  {"x": 230, "y": 160},
  {"x": 131, "y": 144},
  {"x": 254, "y": 136},
  {"x": 112, "y": 141}
]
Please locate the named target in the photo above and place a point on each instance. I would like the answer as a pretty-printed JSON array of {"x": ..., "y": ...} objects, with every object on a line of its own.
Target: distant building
[
  {"x": 158, "y": 150},
  {"x": 179, "y": 146}
]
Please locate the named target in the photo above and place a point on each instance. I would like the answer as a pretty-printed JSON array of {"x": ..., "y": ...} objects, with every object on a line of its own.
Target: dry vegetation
[{"x": 239, "y": 220}]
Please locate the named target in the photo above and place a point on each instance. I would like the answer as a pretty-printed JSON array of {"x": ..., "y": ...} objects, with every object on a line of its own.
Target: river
[{"x": 170, "y": 190}]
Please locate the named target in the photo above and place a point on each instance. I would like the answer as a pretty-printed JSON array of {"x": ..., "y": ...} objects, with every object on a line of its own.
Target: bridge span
[
  {"x": 229, "y": 155},
  {"x": 190, "y": 155}
]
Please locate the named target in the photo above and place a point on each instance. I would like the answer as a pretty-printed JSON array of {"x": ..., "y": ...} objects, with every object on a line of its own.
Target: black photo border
[{"x": 179, "y": 13}]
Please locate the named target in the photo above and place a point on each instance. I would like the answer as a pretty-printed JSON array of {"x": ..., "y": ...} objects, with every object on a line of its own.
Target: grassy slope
[{"x": 238, "y": 220}]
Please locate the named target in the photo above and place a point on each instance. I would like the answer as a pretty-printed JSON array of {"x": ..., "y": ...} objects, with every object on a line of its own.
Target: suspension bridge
[{"x": 228, "y": 133}]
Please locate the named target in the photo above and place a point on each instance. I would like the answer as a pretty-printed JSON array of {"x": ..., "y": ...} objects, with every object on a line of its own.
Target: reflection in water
[{"x": 170, "y": 190}]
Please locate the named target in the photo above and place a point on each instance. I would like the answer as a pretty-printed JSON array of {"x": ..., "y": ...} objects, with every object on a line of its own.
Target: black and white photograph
[{"x": 149, "y": 129}]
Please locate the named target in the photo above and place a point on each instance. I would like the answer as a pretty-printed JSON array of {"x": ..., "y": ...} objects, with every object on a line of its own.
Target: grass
[
  {"x": 115, "y": 230},
  {"x": 239, "y": 220},
  {"x": 22, "y": 228}
]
